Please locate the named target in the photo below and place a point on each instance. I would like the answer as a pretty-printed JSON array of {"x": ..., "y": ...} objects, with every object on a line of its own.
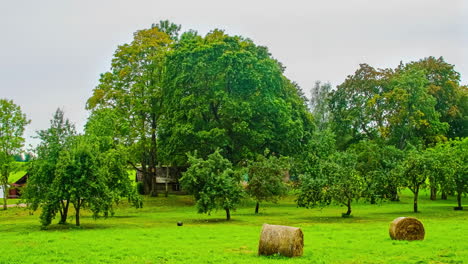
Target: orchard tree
[
  {"x": 415, "y": 171},
  {"x": 12, "y": 124},
  {"x": 213, "y": 182},
  {"x": 89, "y": 179},
  {"x": 338, "y": 182},
  {"x": 132, "y": 89},
  {"x": 376, "y": 163},
  {"x": 460, "y": 176},
  {"x": 43, "y": 169},
  {"x": 267, "y": 178}
]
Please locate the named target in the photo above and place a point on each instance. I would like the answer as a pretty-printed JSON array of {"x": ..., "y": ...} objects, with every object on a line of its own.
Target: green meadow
[{"x": 150, "y": 234}]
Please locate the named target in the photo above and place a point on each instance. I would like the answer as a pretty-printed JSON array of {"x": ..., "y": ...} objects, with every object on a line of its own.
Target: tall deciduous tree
[
  {"x": 320, "y": 104},
  {"x": 43, "y": 170},
  {"x": 133, "y": 89},
  {"x": 225, "y": 92},
  {"x": 213, "y": 182},
  {"x": 12, "y": 124},
  {"x": 451, "y": 97},
  {"x": 411, "y": 117},
  {"x": 357, "y": 105}
]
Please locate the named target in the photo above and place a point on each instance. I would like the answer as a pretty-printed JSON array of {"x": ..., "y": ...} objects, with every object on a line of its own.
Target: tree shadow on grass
[
  {"x": 335, "y": 219},
  {"x": 213, "y": 221}
]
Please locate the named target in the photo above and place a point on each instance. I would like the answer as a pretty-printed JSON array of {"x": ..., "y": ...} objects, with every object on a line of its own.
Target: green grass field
[{"x": 150, "y": 235}]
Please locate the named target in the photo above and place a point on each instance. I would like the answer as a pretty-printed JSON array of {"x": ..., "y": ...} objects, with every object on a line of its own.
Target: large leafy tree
[
  {"x": 411, "y": 117},
  {"x": 214, "y": 183},
  {"x": 132, "y": 90},
  {"x": 43, "y": 170},
  {"x": 12, "y": 124},
  {"x": 225, "y": 92},
  {"x": 358, "y": 105},
  {"x": 419, "y": 103},
  {"x": 267, "y": 178},
  {"x": 451, "y": 97}
]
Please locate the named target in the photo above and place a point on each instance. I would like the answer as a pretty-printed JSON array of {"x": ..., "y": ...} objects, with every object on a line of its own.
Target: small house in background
[
  {"x": 15, "y": 188},
  {"x": 165, "y": 176}
]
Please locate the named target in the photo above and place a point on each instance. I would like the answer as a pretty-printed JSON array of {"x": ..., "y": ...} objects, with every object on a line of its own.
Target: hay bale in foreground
[
  {"x": 406, "y": 228},
  {"x": 285, "y": 240}
]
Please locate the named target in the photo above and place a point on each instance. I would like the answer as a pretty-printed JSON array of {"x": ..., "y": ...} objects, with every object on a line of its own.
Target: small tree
[
  {"x": 89, "y": 178},
  {"x": 338, "y": 182},
  {"x": 414, "y": 172},
  {"x": 459, "y": 180},
  {"x": 213, "y": 182},
  {"x": 43, "y": 169},
  {"x": 12, "y": 124},
  {"x": 266, "y": 178}
]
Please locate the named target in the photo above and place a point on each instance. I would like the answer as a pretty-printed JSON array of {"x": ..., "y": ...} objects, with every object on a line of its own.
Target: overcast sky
[{"x": 52, "y": 51}]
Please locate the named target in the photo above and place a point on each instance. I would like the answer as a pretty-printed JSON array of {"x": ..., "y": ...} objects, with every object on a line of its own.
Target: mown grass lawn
[{"x": 150, "y": 235}]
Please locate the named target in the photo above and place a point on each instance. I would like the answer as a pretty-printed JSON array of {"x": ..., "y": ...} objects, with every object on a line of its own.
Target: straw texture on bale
[
  {"x": 406, "y": 228},
  {"x": 284, "y": 240}
]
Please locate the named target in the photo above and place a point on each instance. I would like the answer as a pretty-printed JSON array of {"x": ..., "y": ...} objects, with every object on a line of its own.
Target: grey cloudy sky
[{"x": 52, "y": 51}]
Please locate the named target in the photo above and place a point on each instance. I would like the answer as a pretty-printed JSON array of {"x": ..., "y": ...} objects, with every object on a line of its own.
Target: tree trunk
[
  {"x": 443, "y": 196},
  {"x": 228, "y": 214},
  {"x": 64, "y": 212},
  {"x": 433, "y": 193},
  {"x": 77, "y": 216},
  {"x": 372, "y": 200},
  {"x": 256, "y": 207},
  {"x": 394, "y": 195},
  {"x": 349, "y": 207},
  {"x": 153, "y": 158},
  {"x": 415, "y": 204},
  {"x": 459, "y": 199}
]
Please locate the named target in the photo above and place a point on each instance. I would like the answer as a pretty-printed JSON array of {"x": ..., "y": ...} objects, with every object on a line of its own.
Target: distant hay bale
[
  {"x": 406, "y": 228},
  {"x": 284, "y": 240}
]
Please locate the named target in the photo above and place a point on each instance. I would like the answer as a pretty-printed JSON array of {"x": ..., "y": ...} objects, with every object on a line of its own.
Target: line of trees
[{"x": 222, "y": 106}]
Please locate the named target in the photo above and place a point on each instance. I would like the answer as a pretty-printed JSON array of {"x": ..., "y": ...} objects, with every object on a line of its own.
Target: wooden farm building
[
  {"x": 165, "y": 176},
  {"x": 15, "y": 188}
]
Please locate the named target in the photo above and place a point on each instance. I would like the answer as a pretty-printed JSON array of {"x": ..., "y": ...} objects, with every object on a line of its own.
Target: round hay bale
[
  {"x": 406, "y": 228},
  {"x": 284, "y": 240},
  {"x": 180, "y": 223}
]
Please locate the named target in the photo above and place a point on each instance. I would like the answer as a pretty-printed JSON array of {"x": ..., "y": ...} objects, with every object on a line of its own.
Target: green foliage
[
  {"x": 338, "y": 182},
  {"x": 267, "y": 178},
  {"x": 376, "y": 163},
  {"x": 213, "y": 182},
  {"x": 12, "y": 125},
  {"x": 320, "y": 104},
  {"x": 448, "y": 167},
  {"x": 412, "y": 117},
  {"x": 451, "y": 97},
  {"x": 130, "y": 95},
  {"x": 41, "y": 190},
  {"x": 420, "y": 104},
  {"x": 225, "y": 92},
  {"x": 76, "y": 169}
]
